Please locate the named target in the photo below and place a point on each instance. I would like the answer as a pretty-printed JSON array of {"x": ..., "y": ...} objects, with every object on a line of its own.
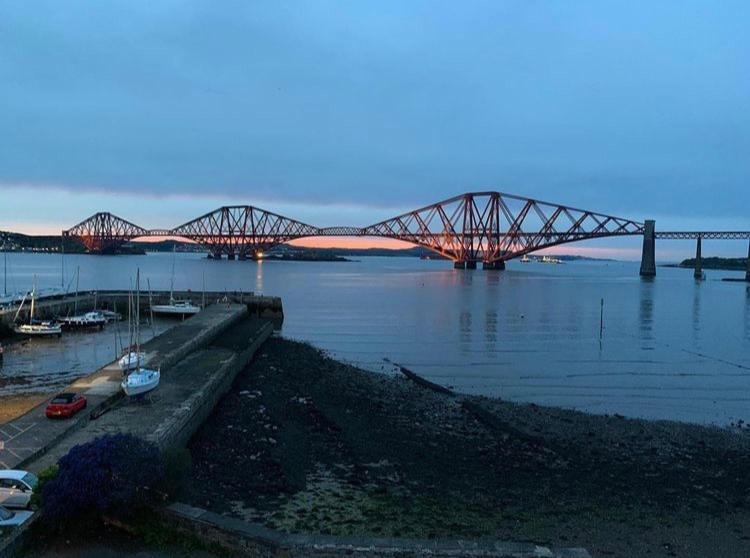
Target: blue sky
[{"x": 351, "y": 112}]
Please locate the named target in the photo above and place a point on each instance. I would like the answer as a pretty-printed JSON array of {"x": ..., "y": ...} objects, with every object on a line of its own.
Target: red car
[{"x": 65, "y": 405}]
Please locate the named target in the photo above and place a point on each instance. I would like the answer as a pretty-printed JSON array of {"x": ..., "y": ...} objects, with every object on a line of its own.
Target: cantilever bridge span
[{"x": 486, "y": 227}]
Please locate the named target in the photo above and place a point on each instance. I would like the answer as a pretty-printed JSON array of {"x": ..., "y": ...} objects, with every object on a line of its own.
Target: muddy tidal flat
[{"x": 305, "y": 443}]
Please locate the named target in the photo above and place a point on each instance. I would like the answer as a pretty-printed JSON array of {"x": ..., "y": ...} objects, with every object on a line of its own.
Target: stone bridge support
[
  {"x": 498, "y": 265},
  {"x": 648, "y": 256},
  {"x": 698, "y": 272}
]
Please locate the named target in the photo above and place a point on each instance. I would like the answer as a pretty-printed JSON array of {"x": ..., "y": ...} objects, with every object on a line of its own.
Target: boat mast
[
  {"x": 5, "y": 270},
  {"x": 75, "y": 301},
  {"x": 138, "y": 319},
  {"x": 62, "y": 261},
  {"x": 171, "y": 286},
  {"x": 33, "y": 299}
]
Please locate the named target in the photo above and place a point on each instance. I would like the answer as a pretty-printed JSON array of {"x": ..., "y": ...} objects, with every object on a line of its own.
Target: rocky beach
[{"x": 308, "y": 444}]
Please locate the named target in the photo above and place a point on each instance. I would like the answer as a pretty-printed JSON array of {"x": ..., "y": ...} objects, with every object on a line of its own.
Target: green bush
[{"x": 44, "y": 477}]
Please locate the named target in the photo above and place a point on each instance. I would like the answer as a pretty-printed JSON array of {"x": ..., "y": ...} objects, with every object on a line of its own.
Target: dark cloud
[{"x": 618, "y": 106}]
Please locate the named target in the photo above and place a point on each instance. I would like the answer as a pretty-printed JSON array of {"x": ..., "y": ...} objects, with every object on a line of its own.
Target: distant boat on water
[{"x": 526, "y": 259}]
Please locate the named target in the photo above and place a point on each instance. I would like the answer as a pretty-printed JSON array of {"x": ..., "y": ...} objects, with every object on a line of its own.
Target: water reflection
[
  {"x": 464, "y": 329},
  {"x": 646, "y": 310},
  {"x": 490, "y": 330},
  {"x": 696, "y": 311}
]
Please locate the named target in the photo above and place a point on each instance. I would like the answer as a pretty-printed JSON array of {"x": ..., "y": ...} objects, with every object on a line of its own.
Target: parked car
[
  {"x": 65, "y": 405},
  {"x": 12, "y": 518},
  {"x": 16, "y": 488}
]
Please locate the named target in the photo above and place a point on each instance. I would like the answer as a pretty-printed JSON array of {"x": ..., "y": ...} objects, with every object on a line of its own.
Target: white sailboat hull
[
  {"x": 39, "y": 330},
  {"x": 131, "y": 361},
  {"x": 141, "y": 382},
  {"x": 175, "y": 309}
]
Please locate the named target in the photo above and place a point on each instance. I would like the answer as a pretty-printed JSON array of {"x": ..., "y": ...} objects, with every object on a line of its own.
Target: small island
[{"x": 730, "y": 264}]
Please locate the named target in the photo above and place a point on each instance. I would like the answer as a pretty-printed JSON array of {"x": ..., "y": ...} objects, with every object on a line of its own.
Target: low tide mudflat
[{"x": 306, "y": 443}]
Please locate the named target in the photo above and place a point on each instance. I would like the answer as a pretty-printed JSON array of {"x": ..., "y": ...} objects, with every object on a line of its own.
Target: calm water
[{"x": 672, "y": 348}]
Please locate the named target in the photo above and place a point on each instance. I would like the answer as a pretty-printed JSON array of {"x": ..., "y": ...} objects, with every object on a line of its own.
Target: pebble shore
[{"x": 306, "y": 443}]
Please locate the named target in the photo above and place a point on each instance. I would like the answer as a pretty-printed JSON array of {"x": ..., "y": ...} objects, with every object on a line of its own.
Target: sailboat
[
  {"x": 175, "y": 307},
  {"x": 88, "y": 320},
  {"x": 36, "y": 328},
  {"x": 141, "y": 380},
  {"x": 131, "y": 357}
]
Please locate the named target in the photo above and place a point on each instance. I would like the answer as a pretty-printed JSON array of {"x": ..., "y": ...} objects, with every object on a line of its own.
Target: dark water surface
[{"x": 672, "y": 348}]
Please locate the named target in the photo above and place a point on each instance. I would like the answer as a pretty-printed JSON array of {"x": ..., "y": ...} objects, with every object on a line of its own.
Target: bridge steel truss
[
  {"x": 242, "y": 231},
  {"x": 487, "y": 227},
  {"x": 492, "y": 227},
  {"x": 104, "y": 233}
]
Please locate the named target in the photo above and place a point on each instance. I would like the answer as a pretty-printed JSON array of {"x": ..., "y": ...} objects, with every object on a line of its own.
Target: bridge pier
[
  {"x": 648, "y": 255},
  {"x": 698, "y": 272},
  {"x": 459, "y": 265},
  {"x": 216, "y": 256},
  {"x": 499, "y": 265},
  {"x": 471, "y": 265},
  {"x": 230, "y": 256}
]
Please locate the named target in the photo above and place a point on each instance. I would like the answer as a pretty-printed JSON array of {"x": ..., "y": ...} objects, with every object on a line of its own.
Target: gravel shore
[{"x": 307, "y": 443}]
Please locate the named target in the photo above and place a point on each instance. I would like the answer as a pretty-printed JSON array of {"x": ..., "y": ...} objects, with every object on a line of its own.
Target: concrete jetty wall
[{"x": 64, "y": 305}]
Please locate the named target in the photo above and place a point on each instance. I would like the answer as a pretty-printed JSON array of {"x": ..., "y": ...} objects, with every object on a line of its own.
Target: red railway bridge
[{"x": 477, "y": 227}]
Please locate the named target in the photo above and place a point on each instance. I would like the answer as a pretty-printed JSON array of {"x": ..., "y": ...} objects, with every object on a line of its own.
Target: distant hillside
[
  {"x": 167, "y": 246},
  {"x": 18, "y": 242}
]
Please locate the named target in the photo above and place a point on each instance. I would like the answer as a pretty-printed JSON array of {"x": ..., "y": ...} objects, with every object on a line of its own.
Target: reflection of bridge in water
[{"x": 486, "y": 227}]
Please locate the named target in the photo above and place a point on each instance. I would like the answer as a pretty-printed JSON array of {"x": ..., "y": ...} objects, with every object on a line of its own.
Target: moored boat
[
  {"x": 87, "y": 320},
  {"x": 36, "y": 328}
]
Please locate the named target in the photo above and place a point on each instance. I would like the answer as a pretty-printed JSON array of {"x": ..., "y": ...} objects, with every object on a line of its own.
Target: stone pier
[
  {"x": 648, "y": 256},
  {"x": 459, "y": 265},
  {"x": 698, "y": 273},
  {"x": 498, "y": 265}
]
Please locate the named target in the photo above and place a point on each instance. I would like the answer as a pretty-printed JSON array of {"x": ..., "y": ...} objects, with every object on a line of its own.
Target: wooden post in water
[
  {"x": 601, "y": 320},
  {"x": 747, "y": 270}
]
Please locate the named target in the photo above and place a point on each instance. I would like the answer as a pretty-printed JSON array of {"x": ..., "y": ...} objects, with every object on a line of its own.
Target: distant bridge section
[{"x": 709, "y": 235}]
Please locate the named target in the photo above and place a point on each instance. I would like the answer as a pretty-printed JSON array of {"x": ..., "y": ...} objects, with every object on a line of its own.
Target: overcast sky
[{"x": 350, "y": 112}]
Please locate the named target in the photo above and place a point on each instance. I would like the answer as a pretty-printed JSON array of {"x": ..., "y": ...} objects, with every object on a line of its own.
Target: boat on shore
[
  {"x": 131, "y": 359},
  {"x": 175, "y": 307},
  {"x": 141, "y": 380}
]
